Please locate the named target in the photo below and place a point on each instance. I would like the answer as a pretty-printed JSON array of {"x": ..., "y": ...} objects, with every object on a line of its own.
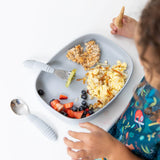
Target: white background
[{"x": 38, "y": 29}]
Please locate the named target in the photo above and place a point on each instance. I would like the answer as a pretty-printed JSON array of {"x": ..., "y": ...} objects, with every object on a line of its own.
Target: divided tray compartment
[{"x": 54, "y": 86}]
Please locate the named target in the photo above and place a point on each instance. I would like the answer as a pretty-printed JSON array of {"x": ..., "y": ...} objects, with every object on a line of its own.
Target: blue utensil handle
[
  {"x": 32, "y": 64},
  {"x": 43, "y": 127}
]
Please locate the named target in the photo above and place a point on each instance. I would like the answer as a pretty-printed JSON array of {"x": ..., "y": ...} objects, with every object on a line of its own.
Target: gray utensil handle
[
  {"x": 32, "y": 64},
  {"x": 43, "y": 127}
]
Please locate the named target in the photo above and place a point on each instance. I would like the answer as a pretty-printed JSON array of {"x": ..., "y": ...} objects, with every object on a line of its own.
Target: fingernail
[
  {"x": 69, "y": 148},
  {"x": 113, "y": 32},
  {"x": 115, "y": 28}
]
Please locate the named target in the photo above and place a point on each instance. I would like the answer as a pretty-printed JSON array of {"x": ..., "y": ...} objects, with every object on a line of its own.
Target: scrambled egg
[{"x": 104, "y": 82}]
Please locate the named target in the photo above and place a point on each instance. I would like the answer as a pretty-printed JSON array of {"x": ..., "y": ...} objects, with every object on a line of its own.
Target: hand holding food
[{"x": 128, "y": 28}]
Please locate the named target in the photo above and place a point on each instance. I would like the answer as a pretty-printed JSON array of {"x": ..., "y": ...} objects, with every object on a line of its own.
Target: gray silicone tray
[{"x": 54, "y": 86}]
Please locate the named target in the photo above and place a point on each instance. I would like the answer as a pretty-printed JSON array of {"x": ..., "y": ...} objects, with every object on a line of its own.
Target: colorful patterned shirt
[{"x": 135, "y": 129}]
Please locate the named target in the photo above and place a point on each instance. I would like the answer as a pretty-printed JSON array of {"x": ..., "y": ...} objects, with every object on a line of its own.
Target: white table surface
[{"x": 37, "y": 29}]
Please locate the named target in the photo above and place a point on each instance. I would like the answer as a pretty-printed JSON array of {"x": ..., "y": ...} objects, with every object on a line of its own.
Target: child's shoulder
[{"x": 146, "y": 91}]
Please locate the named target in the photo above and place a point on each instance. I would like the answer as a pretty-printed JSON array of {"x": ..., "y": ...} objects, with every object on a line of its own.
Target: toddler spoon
[{"x": 19, "y": 107}]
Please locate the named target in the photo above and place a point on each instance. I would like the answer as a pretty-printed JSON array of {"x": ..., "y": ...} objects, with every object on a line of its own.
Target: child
[{"x": 136, "y": 135}]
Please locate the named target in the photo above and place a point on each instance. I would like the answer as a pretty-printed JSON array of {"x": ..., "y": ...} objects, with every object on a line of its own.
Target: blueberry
[
  {"x": 84, "y": 102},
  {"x": 83, "y": 92},
  {"x": 40, "y": 92},
  {"x": 74, "y": 108},
  {"x": 85, "y": 107},
  {"x": 81, "y": 108},
  {"x": 84, "y": 96},
  {"x": 91, "y": 111},
  {"x": 64, "y": 113},
  {"x": 84, "y": 114}
]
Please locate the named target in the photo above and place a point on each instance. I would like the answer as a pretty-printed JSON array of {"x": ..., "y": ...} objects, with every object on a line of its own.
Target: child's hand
[
  {"x": 96, "y": 144},
  {"x": 129, "y": 25}
]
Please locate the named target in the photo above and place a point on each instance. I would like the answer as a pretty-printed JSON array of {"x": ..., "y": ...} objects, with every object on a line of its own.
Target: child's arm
[
  {"x": 129, "y": 25},
  {"x": 96, "y": 144}
]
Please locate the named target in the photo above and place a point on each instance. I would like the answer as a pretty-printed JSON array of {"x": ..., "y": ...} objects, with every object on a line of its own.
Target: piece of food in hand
[
  {"x": 68, "y": 105},
  {"x": 71, "y": 76},
  {"x": 119, "y": 20},
  {"x": 55, "y": 104},
  {"x": 63, "y": 96}
]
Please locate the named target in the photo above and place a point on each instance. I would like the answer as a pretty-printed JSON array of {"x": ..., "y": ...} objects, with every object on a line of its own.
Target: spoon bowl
[{"x": 19, "y": 107}]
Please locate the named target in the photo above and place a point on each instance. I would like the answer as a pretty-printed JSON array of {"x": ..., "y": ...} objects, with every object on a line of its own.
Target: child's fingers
[
  {"x": 76, "y": 155},
  {"x": 114, "y": 28},
  {"x": 91, "y": 127},
  {"x": 77, "y": 135},
  {"x": 74, "y": 145},
  {"x": 125, "y": 20},
  {"x": 113, "y": 32}
]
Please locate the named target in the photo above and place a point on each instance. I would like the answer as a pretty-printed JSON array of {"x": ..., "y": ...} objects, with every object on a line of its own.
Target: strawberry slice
[
  {"x": 59, "y": 107},
  {"x": 68, "y": 105},
  {"x": 73, "y": 114},
  {"x": 78, "y": 115},
  {"x": 55, "y": 104},
  {"x": 70, "y": 113},
  {"x": 63, "y": 97},
  {"x": 87, "y": 114}
]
